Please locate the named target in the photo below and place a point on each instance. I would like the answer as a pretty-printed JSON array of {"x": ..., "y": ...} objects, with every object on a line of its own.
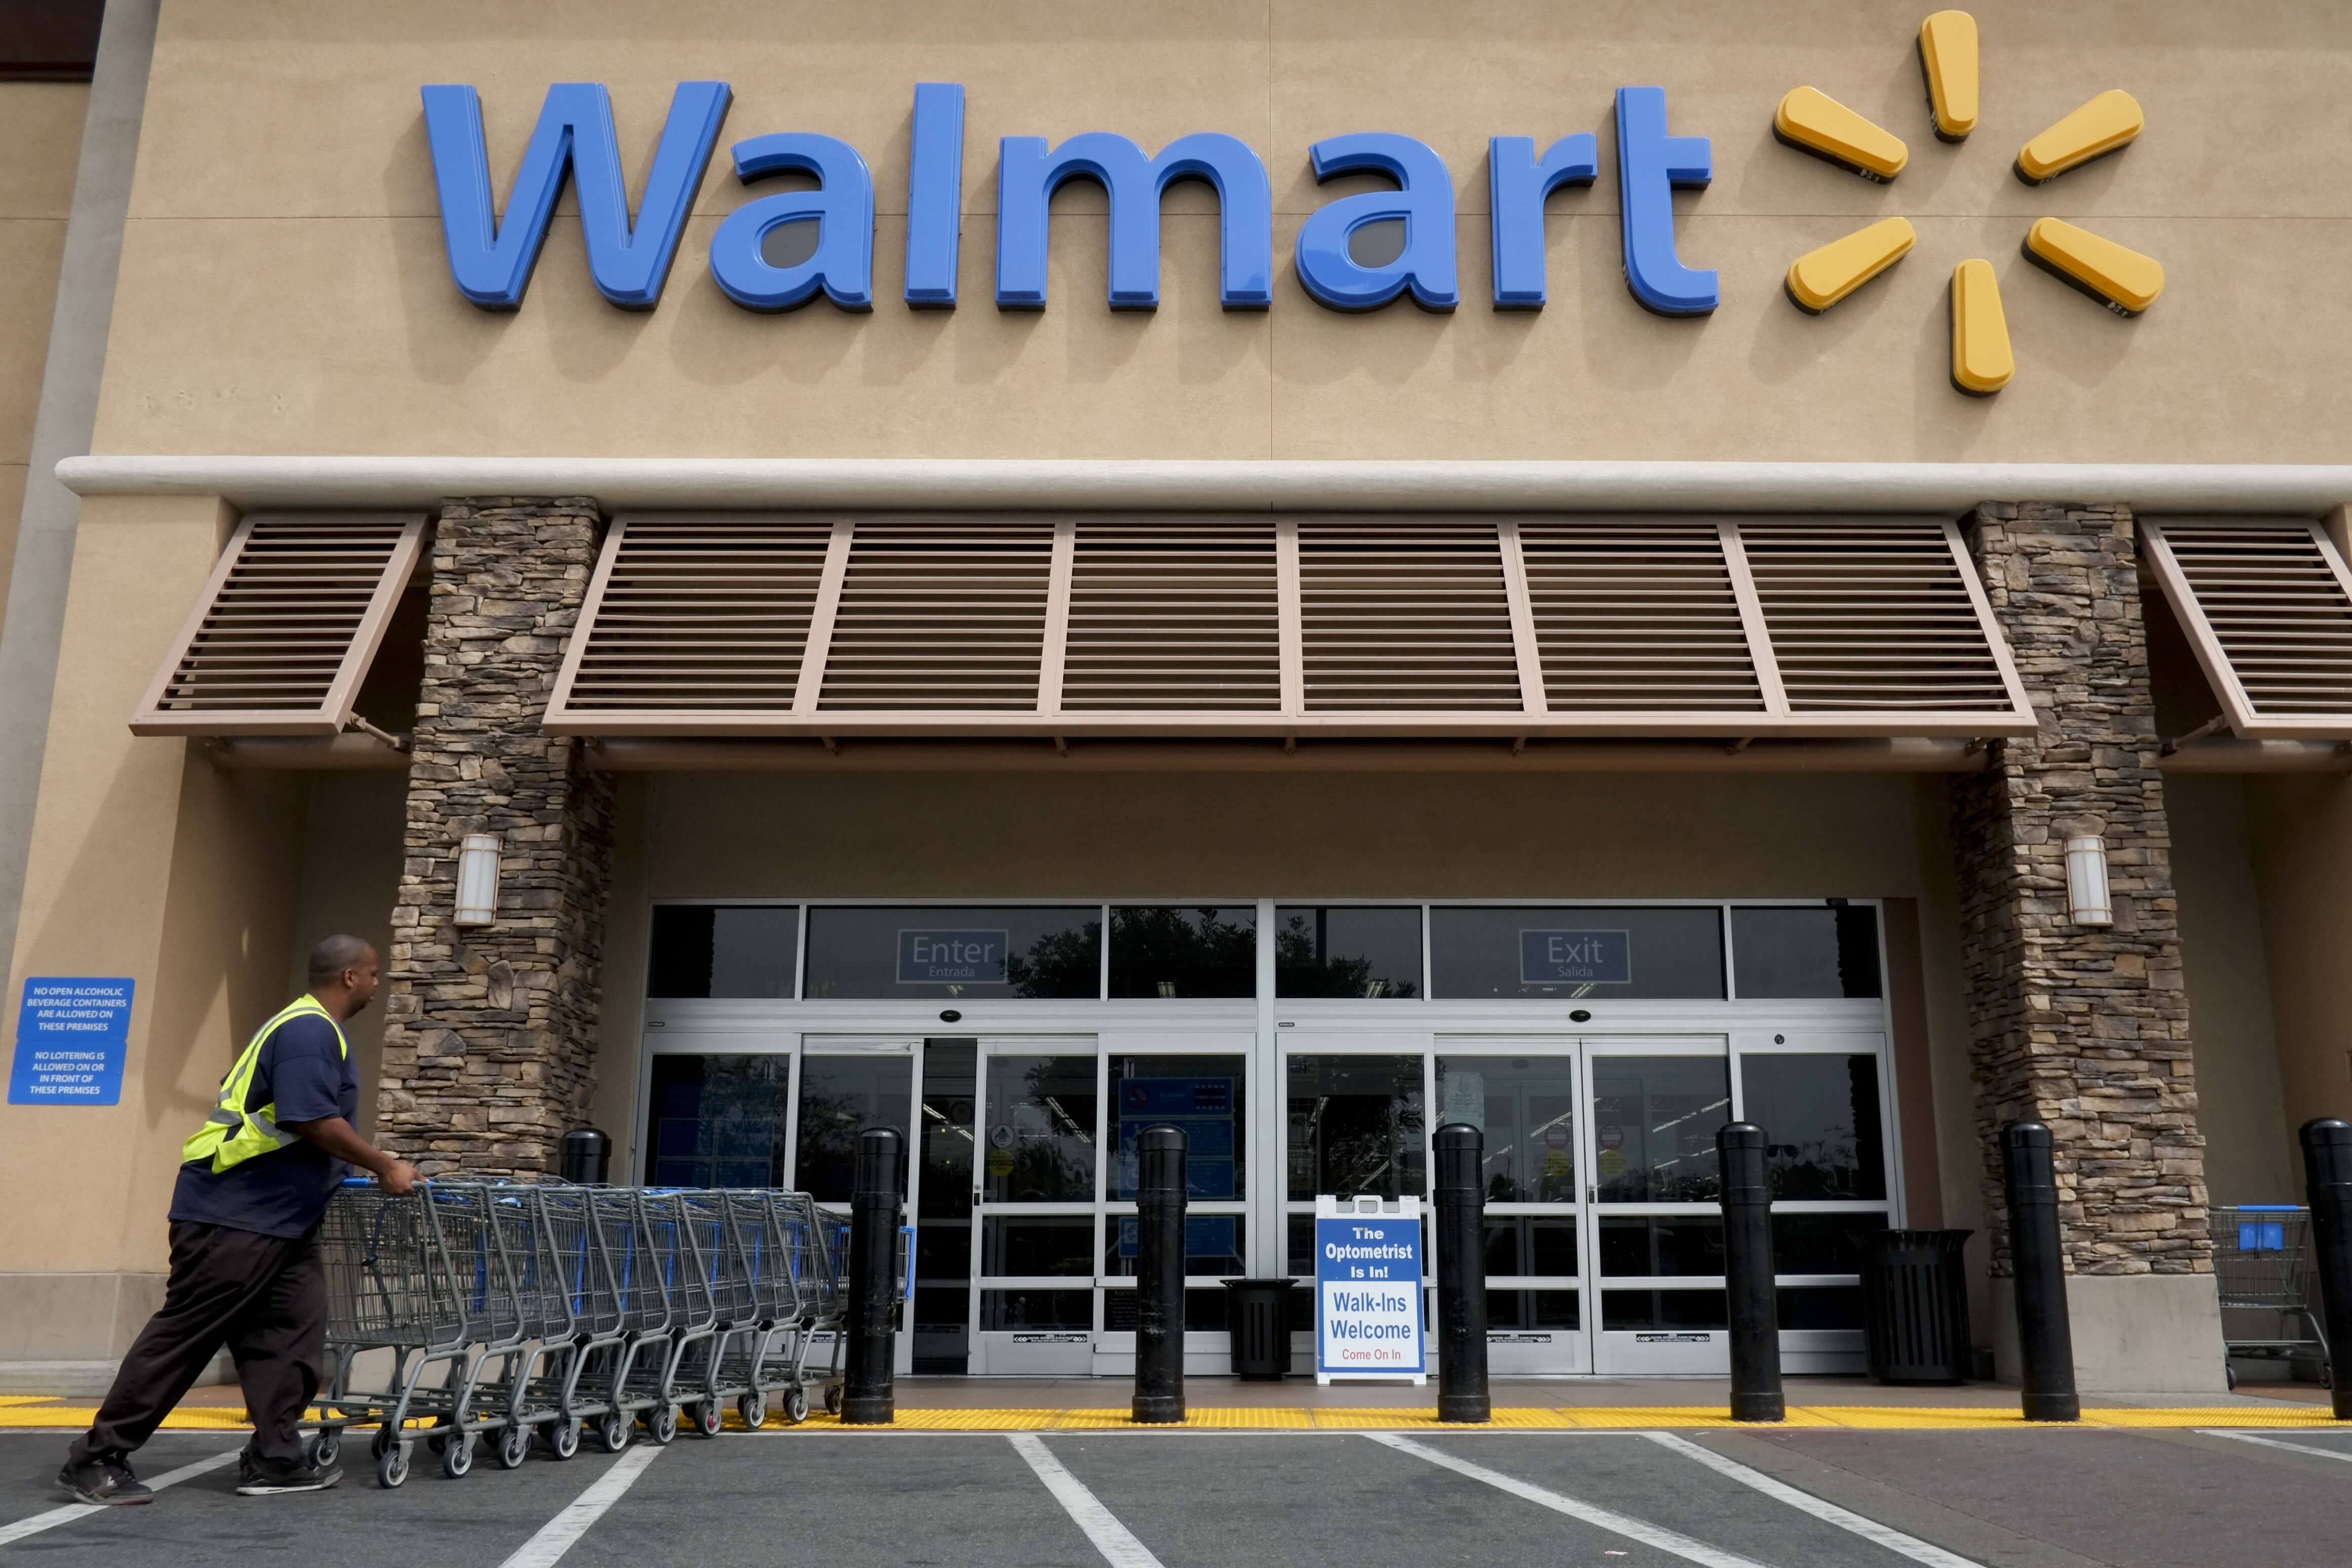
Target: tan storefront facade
[{"x": 285, "y": 343}]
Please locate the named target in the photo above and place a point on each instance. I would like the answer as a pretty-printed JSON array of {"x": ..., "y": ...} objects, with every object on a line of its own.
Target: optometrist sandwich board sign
[{"x": 1368, "y": 1289}]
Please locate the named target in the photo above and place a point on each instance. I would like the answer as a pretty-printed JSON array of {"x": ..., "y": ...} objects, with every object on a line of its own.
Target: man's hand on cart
[{"x": 343, "y": 1140}]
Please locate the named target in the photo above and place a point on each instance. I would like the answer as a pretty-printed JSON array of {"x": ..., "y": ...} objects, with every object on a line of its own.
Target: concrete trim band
[{"x": 2300, "y": 489}]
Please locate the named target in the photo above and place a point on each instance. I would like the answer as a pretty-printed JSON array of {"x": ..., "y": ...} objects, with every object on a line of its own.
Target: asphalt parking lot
[{"x": 1795, "y": 1499}]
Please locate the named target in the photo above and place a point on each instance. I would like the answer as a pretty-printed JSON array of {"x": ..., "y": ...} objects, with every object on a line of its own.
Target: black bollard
[
  {"x": 583, "y": 1155},
  {"x": 1748, "y": 1275},
  {"x": 1159, "y": 1276},
  {"x": 2045, "y": 1339},
  {"x": 2327, "y": 1184},
  {"x": 1462, "y": 1274},
  {"x": 869, "y": 1396}
]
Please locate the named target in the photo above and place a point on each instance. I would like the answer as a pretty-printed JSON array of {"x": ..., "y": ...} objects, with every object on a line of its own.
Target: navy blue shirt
[{"x": 303, "y": 1069}]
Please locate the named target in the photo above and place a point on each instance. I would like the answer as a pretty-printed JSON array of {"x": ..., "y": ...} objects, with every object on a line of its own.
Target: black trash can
[
  {"x": 1257, "y": 1315},
  {"x": 1915, "y": 1305}
]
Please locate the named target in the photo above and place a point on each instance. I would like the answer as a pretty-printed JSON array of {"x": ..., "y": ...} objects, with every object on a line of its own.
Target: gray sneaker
[
  {"x": 255, "y": 1479},
  {"x": 104, "y": 1481}
]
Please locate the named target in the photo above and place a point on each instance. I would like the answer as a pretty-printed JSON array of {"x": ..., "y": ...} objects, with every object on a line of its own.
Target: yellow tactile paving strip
[{"x": 17, "y": 1412}]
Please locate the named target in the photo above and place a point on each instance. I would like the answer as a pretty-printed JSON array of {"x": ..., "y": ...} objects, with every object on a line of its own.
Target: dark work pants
[{"x": 263, "y": 1297}]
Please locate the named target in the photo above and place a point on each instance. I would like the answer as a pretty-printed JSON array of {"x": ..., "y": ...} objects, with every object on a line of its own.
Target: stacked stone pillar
[
  {"x": 490, "y": 1032},
  {"x": 2084, "y": 1028}
]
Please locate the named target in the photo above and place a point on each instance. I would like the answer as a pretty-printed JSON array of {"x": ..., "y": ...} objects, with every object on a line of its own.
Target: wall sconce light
[
  {"x": 2087, "y": 900},
  {"x": 477, "y": 880}
]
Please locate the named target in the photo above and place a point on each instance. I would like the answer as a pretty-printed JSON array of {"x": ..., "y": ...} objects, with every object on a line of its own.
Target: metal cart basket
[{"x": 2262, "y": 1262}]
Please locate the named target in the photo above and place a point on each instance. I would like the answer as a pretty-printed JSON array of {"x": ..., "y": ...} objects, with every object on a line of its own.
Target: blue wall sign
[
  {"x": 951, "y": 957},
  {"x": 71, "y": 1034},
  {"x": 1367, "y": 1291},
  {"x": 1210, "y": 1235},
  {"x": 1575, "y": 959},
  {"x": 492, "y": 251},
  {"x": 1203, "y": 1108}
]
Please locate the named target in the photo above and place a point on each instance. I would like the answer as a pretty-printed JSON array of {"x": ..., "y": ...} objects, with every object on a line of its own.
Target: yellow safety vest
[{"x": 233, "y": 1135}]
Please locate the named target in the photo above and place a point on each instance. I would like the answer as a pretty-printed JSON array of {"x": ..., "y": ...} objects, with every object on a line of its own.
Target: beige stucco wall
[
  {"x": 2302, "y": 839},
  {"x": 284, "y": 290},
  {"x": 40, "y": 126},
  {"x": 148, "y": 862}
]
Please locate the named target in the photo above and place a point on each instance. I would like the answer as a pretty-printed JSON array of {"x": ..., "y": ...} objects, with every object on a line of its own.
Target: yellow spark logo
[{"x": 2122, "y": 280}]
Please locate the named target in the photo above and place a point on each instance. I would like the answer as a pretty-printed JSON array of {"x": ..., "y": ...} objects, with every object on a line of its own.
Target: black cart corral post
[
  {"x": 2327, "y": 1180},
  {"x": 1159, "y": 1276},
  {"x": 2046, "y": 1338},
  {"x": 1462, "y": 1274},
  {"x": 1755, "y": 1393},
  {"x": 870, "y": 1397}
]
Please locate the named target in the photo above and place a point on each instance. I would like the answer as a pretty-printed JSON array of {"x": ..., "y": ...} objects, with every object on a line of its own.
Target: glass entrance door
[
  {"x": 1524, "y": 1094},
  {"x": 1655, "y": 1195}
]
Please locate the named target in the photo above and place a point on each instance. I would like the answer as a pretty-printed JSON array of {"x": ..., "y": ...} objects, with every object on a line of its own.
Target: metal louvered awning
[
  {"x": 1229, "y": 625},
  {"x": 2267, "y": 605},
  {"x": 286, "y": 628}
]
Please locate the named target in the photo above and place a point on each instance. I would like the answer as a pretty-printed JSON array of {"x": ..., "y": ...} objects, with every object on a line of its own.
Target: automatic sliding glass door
[
  {"x": 1655, "y": 1192},
  {"x": 1523, "y": 1094}
]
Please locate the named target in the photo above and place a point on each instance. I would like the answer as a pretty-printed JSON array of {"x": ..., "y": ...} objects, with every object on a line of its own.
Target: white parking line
[
  {"x": 11, "y": 1534},
  {"x": 2275, "y": 1443},
  {"x": 1617, "y": 1524},
  {"x": 560, "y": 1534},
  {"x": 1117, "y": 1545},
  {"x": 1894, "y": 1540}
]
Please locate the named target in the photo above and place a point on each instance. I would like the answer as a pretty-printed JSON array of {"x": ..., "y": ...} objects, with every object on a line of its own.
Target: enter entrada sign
[{"x": 491, "y": 255}]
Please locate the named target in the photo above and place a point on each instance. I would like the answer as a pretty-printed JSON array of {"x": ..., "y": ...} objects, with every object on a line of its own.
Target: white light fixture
[
  {"x": 2088, "y": 900},
  {"x": 477, "y": 880}
]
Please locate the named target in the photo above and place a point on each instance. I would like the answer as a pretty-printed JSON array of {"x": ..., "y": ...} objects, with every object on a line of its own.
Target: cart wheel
[
  {"x": 458, "y": 1454},
  {"x": 613, "y": 1433},
  {"x": 753, "y": 1408},
  {"x": 563, "y": 1437},
  {"x": 662, "y": 1424},
  {"x": 392, "y": 1466},
  {"x": 2326, "y": 1375},
  {"x": 708, "y": 1417},
  {"x": 2230, "y": 1376},
  {"x": 832, "y": 1400},
  {"x": 379, "y": 1445},
  {"x": 324, "y": 1447},
  {"x": 796, "y": 1405},
  {"x": 514, "y": 1446}
]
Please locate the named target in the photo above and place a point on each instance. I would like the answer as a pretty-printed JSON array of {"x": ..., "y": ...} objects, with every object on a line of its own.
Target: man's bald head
[{"x": 334, "y": 956}]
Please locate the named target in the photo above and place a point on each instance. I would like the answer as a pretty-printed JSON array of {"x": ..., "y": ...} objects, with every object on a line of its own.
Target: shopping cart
[
  {"x": 419, "y": 1281},
  {"x": 2262, "y": 1260},
  {"x": 814, "y": 1243}
]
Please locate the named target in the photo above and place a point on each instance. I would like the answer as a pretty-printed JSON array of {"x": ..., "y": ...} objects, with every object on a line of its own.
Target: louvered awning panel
[
  {"x": 1173, "y": 615},
  {"x": 287, "y": 627},
  {"x": 1637, "y": 614},
  {"x": 941, "y": 614},
  {"x": 1405, "y": 613},
  {"x": 1882, "y": 614},
  {"x": 1393, "y": 625},
  {"x": 700, "y": 612},
  {"x": 2267, "y": 603}
]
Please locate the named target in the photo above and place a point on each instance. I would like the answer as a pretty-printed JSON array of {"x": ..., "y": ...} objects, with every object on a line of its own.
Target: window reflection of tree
[
  {"x": 1302, "y": 971},
  {"x": 828, "y": 1153},
  {"x": 1162, "y": 951},
  {"x": 1059, "y": 964}
]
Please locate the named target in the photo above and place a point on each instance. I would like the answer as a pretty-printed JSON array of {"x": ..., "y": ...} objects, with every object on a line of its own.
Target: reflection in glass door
[
  {"x": 1523, "y": 1094},
  {"x": 1038, "y": 1221},
  {"x": 1655, "y": 1194}
]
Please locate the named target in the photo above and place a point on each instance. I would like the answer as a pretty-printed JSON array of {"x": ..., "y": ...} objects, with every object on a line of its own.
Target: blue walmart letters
[
  {"x": 492, "y": 255},
  {"x": 491, "y": 261}
]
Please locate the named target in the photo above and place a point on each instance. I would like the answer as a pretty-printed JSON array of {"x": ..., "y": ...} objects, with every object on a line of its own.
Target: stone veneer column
[
  {"x": 2082, "y": 1027},
  {"x": 490, "y": 1032}
]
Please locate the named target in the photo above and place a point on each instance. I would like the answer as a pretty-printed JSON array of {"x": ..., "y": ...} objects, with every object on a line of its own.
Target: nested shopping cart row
[{"x": 469, "y": 1310}]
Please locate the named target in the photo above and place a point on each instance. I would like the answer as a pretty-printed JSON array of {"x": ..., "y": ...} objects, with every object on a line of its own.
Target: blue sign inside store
[
  {"x": 1210, "y": 1235},
  {"x": 1203, "y": 1108},
  {"x": 71, "y": 1036},
  {"x": 1575, "y": 959},
  {"x": 491, "y": 253},
  {"x": 952, "y": 958}
]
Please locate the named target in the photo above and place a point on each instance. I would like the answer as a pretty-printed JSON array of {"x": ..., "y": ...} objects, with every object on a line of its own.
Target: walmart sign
[{"x": 492, "y": 255}]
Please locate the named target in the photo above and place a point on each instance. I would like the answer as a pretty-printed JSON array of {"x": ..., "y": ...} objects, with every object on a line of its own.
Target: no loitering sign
[
  {"x": 71, "y": 1034},
  {"x": 1368, "y": 1319}
]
